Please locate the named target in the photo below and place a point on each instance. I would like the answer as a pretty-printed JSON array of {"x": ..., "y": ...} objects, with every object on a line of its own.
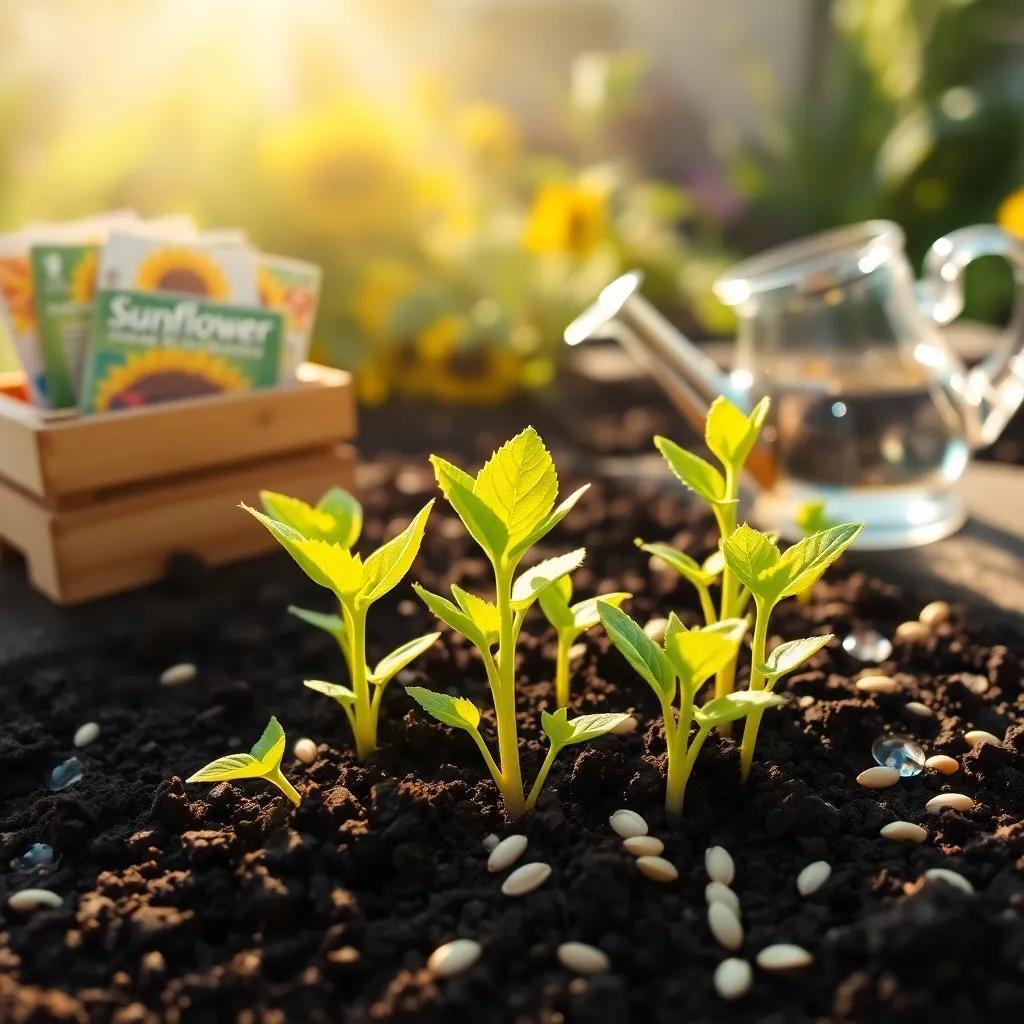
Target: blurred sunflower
[
  {"x": 568, "y": 218},
  {"x": 1011, "y": 213},
  {"x": 487, "y": 131}
]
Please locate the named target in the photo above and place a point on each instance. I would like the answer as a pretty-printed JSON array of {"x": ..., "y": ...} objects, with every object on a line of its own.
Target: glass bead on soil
[
  {"x": 67, "y": 773},
  {"x": 867, "y": 645},
  {"x": 900, "y": 752},
  {"x": 38, "y": 857}
]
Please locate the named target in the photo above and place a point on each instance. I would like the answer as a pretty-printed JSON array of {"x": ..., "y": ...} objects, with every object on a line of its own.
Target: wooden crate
[{"x": 97, "y": 504}]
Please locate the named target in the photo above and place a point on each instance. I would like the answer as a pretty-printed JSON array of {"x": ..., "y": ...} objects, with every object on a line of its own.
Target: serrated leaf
[
  {"x": 483, "y": 614},
  {"x": 385, "y": 568},
  {"x": 451, "y": 615},
  {"x": 683, "y": 564},
  {"x": 233, "y": 766},
  {"x": 532, "y": 581},
  {"x": 269, "y": 748},
  {"x": 735, "y": 706},
  {"x": 346, "y": 512},
  {"x": 647, "y": 659},
  {"x": 698, "y": 654},
  {"x": 730, "y": 434},
  {"x": 299, "y": 515},
  {"x": 391, "y": 664},
  {"x": 802, "y": 565},
  {"x": 519, "y": 483},
  {"x": 336, "y": 691},
  {"x": 517, "y": 550},
  {"x": 752, "y": 556},
  {"x": 458, "y": 712},
  {"x": 585, "y": 613},
  {"x": 564, "y": 732},
  {"x": 482, "y": 522},
  {"x": 692, "y": 471},
  {"x": 791, "y": 655}
]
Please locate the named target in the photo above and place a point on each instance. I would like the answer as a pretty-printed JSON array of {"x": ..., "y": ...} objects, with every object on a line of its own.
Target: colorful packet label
[
  {"x": 292, "y": 288},
  {"x": 148, "y": 348},
  {"x": 19, "y": 314}
]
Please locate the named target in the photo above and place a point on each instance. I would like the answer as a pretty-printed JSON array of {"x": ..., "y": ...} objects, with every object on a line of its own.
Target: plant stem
[
  {"x": 542, "y": 775},
  {"x": 488, "y": 760},
  {"x": 707, "y": 606},
  {"x": 562, "y": 669},
  {"x": 365, "y": 733},
  {"x": 277, "y": 778},
  {"x": 675, "y": 784},
  {"x": 505, "y": 699},
  {"x": 725, "y": 680},
  {"x": 757, "y": 657}
]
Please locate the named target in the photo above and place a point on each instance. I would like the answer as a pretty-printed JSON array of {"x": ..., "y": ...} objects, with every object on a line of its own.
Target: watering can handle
[{"x": 993, "y": 390}]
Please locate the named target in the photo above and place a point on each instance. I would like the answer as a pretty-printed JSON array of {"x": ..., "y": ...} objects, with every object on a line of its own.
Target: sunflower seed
[
  {"x": 30, "y": 899},
  {"x": 957, "y": 801},
  {"x": 716, "y": 892},
  {"x": 878, "y": 777},
  {"x": 952, "y": 878},
  {"x": 783, "y": 956},
  {"x": 733, "y": 978},
  {"x": 934, "y": 613},
  {"x": 86, "y": 734},
  {"x": 813, "y": 877},
  {"x": 904, "y": 832},
  {"x": 725, "y": 926},
  {"x": 305, "y": 750},
  {"x": 526, "y": 879},
  {"x": 657, "y": 869},
  {"x": 913, "y": 632},
  {"x": 628, "y": 824},
  {"x": 979, "y": 737},
  {"x": 506, "y": 853},
  {"x": 454, "y": 957},
  {"x": 178, "y": 674},
  {"x": 942, "y": 763},
  {"x": 915, "y": 707},
  {"x": 583, "y": 959},
  {"x": 643, "y": 846},
  {"x": 877, "y": 684},
  {"x": 719, "y": 865}
]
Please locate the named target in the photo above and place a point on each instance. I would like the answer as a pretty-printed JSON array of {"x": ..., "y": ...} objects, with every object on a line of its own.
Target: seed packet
[
  {"x": 19, "y": 312},
  {"x": 292, "y": 287},
  {"x": 146, "y": 348}
]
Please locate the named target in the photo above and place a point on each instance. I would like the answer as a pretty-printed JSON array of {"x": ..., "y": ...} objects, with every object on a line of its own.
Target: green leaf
[
  {"x": 269, "y": 748},
  {"x": 802, "y": 565},
  {"x": 451, "y": 615},
  {"x": 563, "y": 732},
  {"x": 483, "y": 614},
  {"x": 693, "y": 472},
  {"x": 673, "y": 627},
  {"x": 585, "y": 613},
  {"x": 336, "y": 691},
  {"x": 516, "y": 551},
  {"x": 391, "y": 664},
  {"x": 730, "y": 434},
  {"x": 735, "y": 705},
  {"x": 683, "y": 564},
  {"x": 234, "y": 766},
  {"x": 752, "y": 556},
  {"x": 790, "y": 656},
  {"x": 519, "y": 484},
  {"x": 385, "y": 568},
  {"x": 458, "y": 712},
  {"x": 482, "y": 522},
  {"x": 555, "y": 606},
  {"x": 333, "y": 624},
  {"x": 648, "y": 660},
  {"x": 300, "y": 516},
  {"x": 812, "y": 518},
  {"x": 346, "y": 512},
  {"x": 735, "y": 629},
  {"x": 698, "y": 654},
  {"x": 532, "y": 581},
  {"x": 713, "y": 565}
]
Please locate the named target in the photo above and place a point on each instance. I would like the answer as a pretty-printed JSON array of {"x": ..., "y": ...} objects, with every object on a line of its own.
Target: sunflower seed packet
[{"x": 292, "y": 287}]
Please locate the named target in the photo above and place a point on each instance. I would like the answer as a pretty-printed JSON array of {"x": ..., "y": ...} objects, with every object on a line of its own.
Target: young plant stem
[
  {"x": 562, "y": 669},
  {"x": 362, "y": 714},
  {"x": 542, "y": 775},
  {"x": 505, "y": 699},
  {"x": 757, "y": 657},
  {"x": 707, "y": 606},
  {"x": 677, "y": 737},
  {"x": 725, "y": 680},
  {"x": 278, "y": 779}
]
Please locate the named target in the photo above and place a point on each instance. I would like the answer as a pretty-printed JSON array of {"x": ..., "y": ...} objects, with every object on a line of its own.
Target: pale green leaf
[
  {"x": 458, "y": 712},
  {"x": 555, "y": 606},
  {"x": 811, "y": 517},
  {"x": 300, "y": 516},
  {"x": 692, "y": 471},
  {"x": 698, "y": 654},
  {"x": 735, "y": 629},
  {"x": 336, "y": 691},
  {"x": 735, "y": 706},
  {"x": 269, "y": 748},
  {"x": 346, "y": 512},
  {"x": 517, "y": 550},
  {"x": 730, "y": 434},
  {"x": 585, "y": 613},
  {"x": 802, "y": 565},
  {"x": 713, "y": 565},
  {"x": 451, "y": 615},
  {"x": 532, "y": 581},
  {"x": 482, "y": 522},
  {"x": 683, "y": 564},
  {"x": 333, "y": 624},
  {"x": 647, "y": 659},
  {"x": 483, "y": 613},
  {"x": 234, "y": 766},
  {"x": 752, "y": 556},
  {"x": 673, "y": 627},
  {"x": 391, "y": 664},
  {"x": 563, "y": 731},
  {"x": 519, "y": 484},
  {"x": 385, "y": 568},
  {"x": 790, "y": 656}
]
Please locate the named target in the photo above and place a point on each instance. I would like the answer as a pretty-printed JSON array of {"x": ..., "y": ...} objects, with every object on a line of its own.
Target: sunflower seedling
[
  {"x": 320, "y": 539},
  {"x": 507, "y": 508},
  {"x": 262, "y": 762},
  {"x": 811, "y": 518},
  {"x": 569, "y": 622},
  {"x": 678, "y": 670}
]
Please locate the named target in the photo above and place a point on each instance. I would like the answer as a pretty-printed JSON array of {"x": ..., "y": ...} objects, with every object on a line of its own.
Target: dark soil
[{"x": 223, "y": 903}]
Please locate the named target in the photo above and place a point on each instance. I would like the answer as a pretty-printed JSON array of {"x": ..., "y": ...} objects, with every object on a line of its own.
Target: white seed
[
  {"x": 725, "y": 926},
  {"x": 178, "y": 674},
  {"x": 904, "y": 832},
  {"x": 942, "y": 763},
  {"x": 716, "y": 892},
  {"x": 490, "y": 841},
  {"x": 526, "y": 879},
  {"x": 657, "y": 869},
  {"x": 975, "y": 683},
  {"x": 30, "y": 899},
  {"x": 813, "y": 877},
  {"x": 506, "y": 853},
  {"x": 86, "y": 734},
  {"x": 877, "y": 684},
  {"x": 655, "y": 629},
  {"x": 979, "y": 737},
  {"x": 454, "y": 957},
  {"x": 718, "y": 864},
  {"x": 626, "y": 726},
  {"x": 733, "y": 978},
  {"x": 935, "y": 613},
  {"x": 952, "y": 878},
  {"x": 957, "y": 801},
  {"x": 783, "y": 956},
  {"x": 879, "y": 777},
  {"x": 913, "y": 632},
  {"x": 628, "y": 824},
  {"x": 915, "y": 707},
  {"x": 643, "y": 846},
  {"x": 583, "y": 959},
  {"x": 305, "y": 750},
  {"x": 577, "y": 651},
  {"x": 805, "y": 702}
]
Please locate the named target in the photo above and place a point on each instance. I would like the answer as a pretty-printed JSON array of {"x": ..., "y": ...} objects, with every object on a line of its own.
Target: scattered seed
[
  {"x": 506, "y": 853},
  {"x": 878, "y": 777},
  {"x": 935, "y": 613},
  {"x": 975, "y": 683},
  {"x": 305, "y": 750},
  {"x": 657, "y": 869},
  {"x": 719, "y": 865},
  {"x": 783, "y": 956},
  {"x": 813, "y": 877},
  {"x": 454, "y": 957},
  {"x": 725, "y": 926},
  {"x": 628, "y": 824},
  {"x": 178, "y": 674},
  {"x": 915, "y": 707},
  {"x": 577, "y": 651},
  {"x": 716, "y": 892},
  {"x": 877, "y": 684},
  {"x": 957, "y": 801},
  {"x": 979, "y": 737},
  {"x": 86, "y": 734},
  {"x": 31, "y": 899},
  {"x": 526, "y": 879},
  {"x": 952, "y": 878},
  {"x": 942, "y": 763},
  {"x": 582, "y": 958},
  {"x": 913, "y": 632},
  {"x": 490, "y": 841},
  {"x": 733, "y": 978},
  {"x": 904, "y": 832},
  {"x": 626, "y": 726},
  {"x": 655, "y": 629},
  {"x": 805, "y": 702},
  {"x": 643, "y": 846}
]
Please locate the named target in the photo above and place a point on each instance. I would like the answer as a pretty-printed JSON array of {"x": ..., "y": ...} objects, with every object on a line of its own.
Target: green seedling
[
  {"x": 677, "y": 671},
  {"x": 320, "y": 539},
  {"x": 507, "y": 508},
  {"x": 771, "y": 575},
  {"x": 262, "y": 762},
  {"x": 570, "y": 621},
  {"x": 811, "y": 518}
]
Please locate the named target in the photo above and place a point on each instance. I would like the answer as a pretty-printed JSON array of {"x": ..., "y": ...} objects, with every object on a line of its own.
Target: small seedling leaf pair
[{"x": 262, "y": 762}]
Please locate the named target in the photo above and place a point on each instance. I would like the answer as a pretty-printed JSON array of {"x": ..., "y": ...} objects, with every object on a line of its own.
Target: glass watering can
[{"x": 872, "y": 414}]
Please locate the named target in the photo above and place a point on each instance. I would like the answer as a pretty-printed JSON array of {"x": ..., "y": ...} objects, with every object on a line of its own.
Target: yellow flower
[
  {"x": 382, "y": 287},
  {"x": 182, "y": 270},
  {"x": 567, "y": 217},
  {"x": 1011, "y": 213},
  {"x": 483, "y": 374},
  {"x": 439, "y": 339},
  {"x": 488, "y": 131}
]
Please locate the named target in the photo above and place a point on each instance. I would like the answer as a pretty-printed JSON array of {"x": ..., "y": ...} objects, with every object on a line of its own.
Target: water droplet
[
  {"x": 899, "y": 752},
  {"x": 867, "y": 645},
  {"x": 38, "y": 857},
  {"x": 67, "y": 773}
]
